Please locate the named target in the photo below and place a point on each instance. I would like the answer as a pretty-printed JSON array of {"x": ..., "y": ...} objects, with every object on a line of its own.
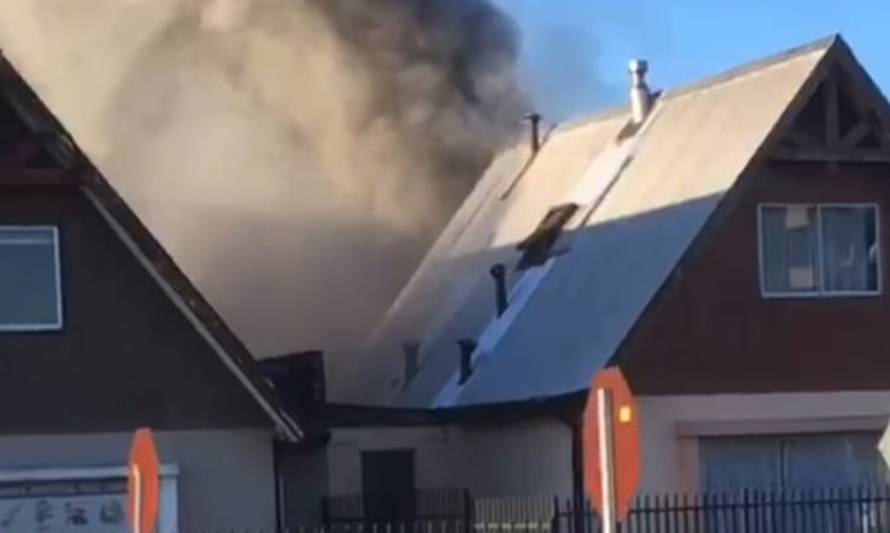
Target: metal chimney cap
[{"x": 640, "y": 66}]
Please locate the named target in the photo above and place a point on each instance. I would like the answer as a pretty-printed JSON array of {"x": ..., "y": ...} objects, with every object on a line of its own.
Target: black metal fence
[{"x": 849, "y": 510}]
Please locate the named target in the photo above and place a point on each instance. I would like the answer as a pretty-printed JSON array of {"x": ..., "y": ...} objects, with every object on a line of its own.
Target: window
[
  {"x": 30, "y": 288},
  {"x": 537, "y": 248},
  {"x": 820, "y": 460},
  {"x": 827, "y": 249}
]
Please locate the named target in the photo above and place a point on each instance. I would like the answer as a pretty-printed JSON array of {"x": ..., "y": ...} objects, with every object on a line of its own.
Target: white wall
[
  {"x": 672, "y": 425},
  {"x": 226, "y": 478},
  {"x": 530, "y": 458}
]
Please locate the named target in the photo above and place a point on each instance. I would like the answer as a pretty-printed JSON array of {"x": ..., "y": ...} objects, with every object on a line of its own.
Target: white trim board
[
  {"x": 66, "y": 474},
  {"x": 728, "y": 428},
  {"x": 284, "y": 422}
]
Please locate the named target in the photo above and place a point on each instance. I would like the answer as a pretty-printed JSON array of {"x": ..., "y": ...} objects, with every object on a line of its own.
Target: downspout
[
  {"x": 279, "y": 489},
  {"x": 579, "y": 500}
]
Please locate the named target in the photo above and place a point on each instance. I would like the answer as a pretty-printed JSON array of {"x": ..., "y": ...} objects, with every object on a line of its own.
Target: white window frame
[
  {"x": 24, "y": 327},
  {"x": 820, "y": 292}
]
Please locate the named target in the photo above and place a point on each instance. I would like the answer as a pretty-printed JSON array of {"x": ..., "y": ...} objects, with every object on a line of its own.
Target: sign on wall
[{"x": 99, "y": 513}]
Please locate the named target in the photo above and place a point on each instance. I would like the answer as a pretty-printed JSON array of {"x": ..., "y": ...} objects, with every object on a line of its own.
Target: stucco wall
[
  {"x": 226, "y": 478},
  {"x": 531, "y": 458},
  {"x": 672, "y": 425},
  {"x": 510, "y": 459}
]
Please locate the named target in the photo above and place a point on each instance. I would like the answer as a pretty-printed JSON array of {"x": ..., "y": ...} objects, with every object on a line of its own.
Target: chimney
[
  {"x": 467, "y": 347},
  {"x": 534, "y": 120},
  {"x": 640, "y": 97},
  {"x": 499, "y": 273},
  {"x": 412, "y": 359}
]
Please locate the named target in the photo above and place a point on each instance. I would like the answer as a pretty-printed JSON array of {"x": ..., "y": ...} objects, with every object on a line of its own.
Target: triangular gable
[
  {"x": 845, "y": 118},
  {"x": 71, "y": 166}
]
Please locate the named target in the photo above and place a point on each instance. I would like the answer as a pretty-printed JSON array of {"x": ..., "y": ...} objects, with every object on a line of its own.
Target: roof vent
[
  {"x": 640, "y": 96},
  {"x": 467, "y": 347},
  {"x": 411, "y": 350},
  {"x": 499, "y": 273},
  {"x": 534, "y": 120}
]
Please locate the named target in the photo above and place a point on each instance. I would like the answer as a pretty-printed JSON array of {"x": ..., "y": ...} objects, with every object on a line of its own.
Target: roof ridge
[{"x": 756, "y": 65}]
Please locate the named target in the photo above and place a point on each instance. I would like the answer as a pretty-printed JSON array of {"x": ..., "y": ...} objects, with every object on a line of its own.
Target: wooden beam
[
  {"x": 846, "y": 155},
  {"x": 856, "y": 134},
  {"x": 35, "y": 176},
  {"x": 802, "y": 140}
]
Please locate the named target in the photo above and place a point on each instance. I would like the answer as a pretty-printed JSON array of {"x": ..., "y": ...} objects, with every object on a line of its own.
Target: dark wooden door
[{"x": 388, "y": 485}]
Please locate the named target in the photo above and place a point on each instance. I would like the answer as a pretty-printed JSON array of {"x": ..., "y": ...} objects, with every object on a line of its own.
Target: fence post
[
  {"x": 325, "y": 513},
  {"x": 469, "y": 511},
  {"x": 555, "y": 520}
]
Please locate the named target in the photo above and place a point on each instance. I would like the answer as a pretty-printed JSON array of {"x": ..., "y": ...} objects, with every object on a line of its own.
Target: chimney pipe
[
  {"x": 412, "y": 359},
  {"x": 640, "y": 97},
  {"x": 499, "y": 273},
  {"x": 467, "y": 347},
  {"x": 534, "y": 120}
]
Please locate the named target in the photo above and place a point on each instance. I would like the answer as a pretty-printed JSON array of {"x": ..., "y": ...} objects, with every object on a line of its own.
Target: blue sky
[{"x": 575, "y": 51}]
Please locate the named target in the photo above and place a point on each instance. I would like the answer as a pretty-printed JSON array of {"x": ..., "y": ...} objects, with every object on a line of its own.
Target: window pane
[
  {"x": 740, "y": 462},
  {"x": 28, "y": 293},
  {"x": 789, "y": 249},
  {"x": 835, "y": 460},
  {"x": 849, "y": 248}
]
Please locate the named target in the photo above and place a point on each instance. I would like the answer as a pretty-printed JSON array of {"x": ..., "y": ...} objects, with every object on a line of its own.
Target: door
[{"x": 388, "y": 486}]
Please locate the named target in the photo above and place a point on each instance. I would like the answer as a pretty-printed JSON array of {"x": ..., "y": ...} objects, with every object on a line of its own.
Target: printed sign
[{"x": 99, "y": 513}]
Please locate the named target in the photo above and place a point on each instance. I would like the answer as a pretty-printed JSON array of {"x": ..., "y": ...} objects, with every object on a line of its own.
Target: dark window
[
  {"x": 30, "y": 295},
  {"x": 830, "y": 249},
  {"x": 536, "y": 248},
  {"x": 388, "y": 485}
]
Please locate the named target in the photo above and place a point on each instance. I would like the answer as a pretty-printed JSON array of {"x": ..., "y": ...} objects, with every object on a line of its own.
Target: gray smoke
[{"x": 295, "y": 156}]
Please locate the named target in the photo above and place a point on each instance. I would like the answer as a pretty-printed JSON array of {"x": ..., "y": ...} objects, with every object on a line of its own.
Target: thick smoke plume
[{"x": 295, "y": 156}]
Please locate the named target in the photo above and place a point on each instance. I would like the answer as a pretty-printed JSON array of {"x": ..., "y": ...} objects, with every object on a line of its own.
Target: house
[
  {"x": 101, "y": 333},
  {"x": 723, "y": 242}
]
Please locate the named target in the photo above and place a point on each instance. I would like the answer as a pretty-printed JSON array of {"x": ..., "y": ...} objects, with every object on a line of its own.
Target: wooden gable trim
[
  {"x": 835, "y": 145},
  {"x": 188, "y": 300}
]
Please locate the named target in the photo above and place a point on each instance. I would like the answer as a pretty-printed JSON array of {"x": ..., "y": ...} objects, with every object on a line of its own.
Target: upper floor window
[
  {"x": 824, "y": 249},
  {"x": 30, "y": 287}
]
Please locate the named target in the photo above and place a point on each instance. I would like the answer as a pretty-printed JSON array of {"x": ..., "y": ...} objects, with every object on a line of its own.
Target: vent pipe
[
  {"x": 467, "y": 347},
  {"x": 534, "y": 120},
  {"x": 411, "y": 350},
  {"x": 499, "y": 273},
  {"x": 640, "y": 96}
]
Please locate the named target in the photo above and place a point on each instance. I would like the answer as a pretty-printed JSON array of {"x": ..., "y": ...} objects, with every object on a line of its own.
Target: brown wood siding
[
  {"x": 711, "y": 331},
  {"x": 126, "y": 355}
]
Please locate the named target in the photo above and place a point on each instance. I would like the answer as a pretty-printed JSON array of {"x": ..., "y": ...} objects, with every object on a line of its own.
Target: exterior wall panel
[{"x": 712, "y": 332}]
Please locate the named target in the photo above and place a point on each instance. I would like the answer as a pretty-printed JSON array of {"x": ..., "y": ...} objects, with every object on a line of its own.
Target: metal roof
[{"x": 644, "y": 199}]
